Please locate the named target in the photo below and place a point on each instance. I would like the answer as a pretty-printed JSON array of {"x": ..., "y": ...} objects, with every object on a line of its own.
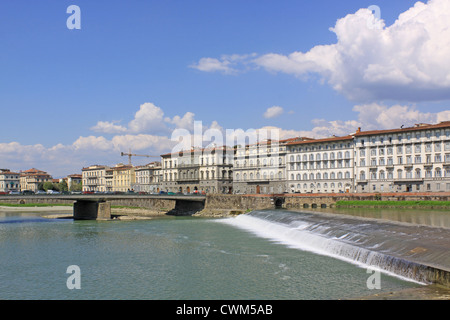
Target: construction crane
[{"x": 129, "y": 154}]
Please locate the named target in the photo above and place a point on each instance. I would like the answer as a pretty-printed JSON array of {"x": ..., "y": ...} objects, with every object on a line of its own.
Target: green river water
[{"x": 172, "y": 258}]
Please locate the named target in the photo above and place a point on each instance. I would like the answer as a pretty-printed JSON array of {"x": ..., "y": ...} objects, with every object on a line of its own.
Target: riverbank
[
  {"x": 418, "y": 204},
  {"x": 431, "y": 292},
  {"x": 66, "y": 212},
  {"x": 28, "y": 208}
]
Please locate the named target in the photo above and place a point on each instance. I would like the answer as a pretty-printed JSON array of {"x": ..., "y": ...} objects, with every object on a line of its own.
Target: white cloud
[
  {"x": 375, "y": 116},
  {"x": 92, "y": 143},
  {"x": 227, "y": 64},
  {"x": 149, "y": 118},
  {"x": 60, "y": 159},
  {"x": 273, "y": 112},
  {"x": 212, "y": 65},
  {"x": 405, "y": 61},
  {"x": 141, "y": 142},
  {"x": 108, "y": 127},
  {"x": 185, "y": 122},
  {"x": 370, "y": 61}
]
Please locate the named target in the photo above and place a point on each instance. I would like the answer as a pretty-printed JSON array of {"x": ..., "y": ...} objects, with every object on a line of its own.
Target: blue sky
[{"x": 69, "y": 97}]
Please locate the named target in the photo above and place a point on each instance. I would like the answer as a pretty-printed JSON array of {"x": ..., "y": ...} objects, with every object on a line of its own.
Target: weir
[{"x": 412, "y": 252}]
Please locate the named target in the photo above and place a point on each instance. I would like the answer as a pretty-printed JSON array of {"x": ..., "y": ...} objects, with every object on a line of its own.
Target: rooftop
[{"x": 416, "y": 127}]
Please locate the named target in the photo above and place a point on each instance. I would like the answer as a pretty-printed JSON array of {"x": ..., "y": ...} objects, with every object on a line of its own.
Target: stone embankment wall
[
  {"x": 224, "y": 204},
  {"x": 145, "y": 203},
  {"x": 241, "y": 203},
  {"x": 237, "y": 202},
  {"x": 25, "y": 200}
]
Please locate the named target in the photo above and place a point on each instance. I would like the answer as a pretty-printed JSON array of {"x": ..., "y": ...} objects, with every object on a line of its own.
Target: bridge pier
[
  {"x": 186, "y": 207},
  {"x": 91, "y": 210}
]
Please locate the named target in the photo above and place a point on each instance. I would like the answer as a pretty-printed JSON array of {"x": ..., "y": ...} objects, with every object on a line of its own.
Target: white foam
[{"x": 296, "y": 235}]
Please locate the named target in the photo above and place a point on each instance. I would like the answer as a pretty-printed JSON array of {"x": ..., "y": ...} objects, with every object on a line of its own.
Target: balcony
[{"x": 188, "y": 179}]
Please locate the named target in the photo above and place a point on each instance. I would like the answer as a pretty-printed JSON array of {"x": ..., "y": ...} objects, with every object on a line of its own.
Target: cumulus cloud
[
  {"x": 185, "y": 122},
  {"x": 92, "y": 143},
  {"x": 377, "y": 116},
  {"x": 149, "y": 118},
  {"x": 149, "y": 133},
  {"x": 142, "y": 142},
  {"x": 227, "y": 64},
  {"x": 370, "y": 61},
  {"x": 213, "y": 64},
  {"x": 108, "y": 127},
  {"x": 273, "y": 112},
  {"x": 405, "y": 61}
]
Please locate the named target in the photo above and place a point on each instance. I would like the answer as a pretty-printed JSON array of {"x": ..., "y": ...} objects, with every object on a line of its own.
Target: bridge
[{"x": 98, "y": 206}]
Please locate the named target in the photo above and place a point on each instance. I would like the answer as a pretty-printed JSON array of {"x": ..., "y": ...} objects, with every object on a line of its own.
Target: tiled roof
[
  {"x": 417, "y": 127},
  {"x": 331, "y": 139}
]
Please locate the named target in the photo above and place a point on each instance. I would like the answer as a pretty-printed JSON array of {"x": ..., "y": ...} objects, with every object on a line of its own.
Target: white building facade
[
  {"x": 9, "y": 181},
  {"x": 415, "y": 159},
  {"x": 321, "y": 165},
  {"x": 147, "y": 178}
]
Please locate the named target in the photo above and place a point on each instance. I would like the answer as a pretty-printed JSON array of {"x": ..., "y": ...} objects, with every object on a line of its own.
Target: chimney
[{"x": 359, "y": 130}]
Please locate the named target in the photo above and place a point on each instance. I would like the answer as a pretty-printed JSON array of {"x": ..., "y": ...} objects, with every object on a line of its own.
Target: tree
[
  {"x": 47, "y": 186},
  {"x": 63, "y": 186},
  {"x": 76, "y": 186}
]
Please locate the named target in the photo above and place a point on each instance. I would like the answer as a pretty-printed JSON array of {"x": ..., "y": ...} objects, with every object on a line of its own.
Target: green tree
[
  {"x": 47, "y": 186},
  {"x": 63, "y": 186},
  {"x": 76, "y": 186}
]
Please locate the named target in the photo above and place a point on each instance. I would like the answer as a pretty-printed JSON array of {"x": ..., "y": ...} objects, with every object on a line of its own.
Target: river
[{"x": 251, "y": 256}]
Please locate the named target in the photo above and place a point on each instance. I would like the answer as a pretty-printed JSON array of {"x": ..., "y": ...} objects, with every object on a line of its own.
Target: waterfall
[{"x": 363, "y": 242}]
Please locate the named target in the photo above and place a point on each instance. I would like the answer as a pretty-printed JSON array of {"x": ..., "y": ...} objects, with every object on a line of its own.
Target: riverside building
[
  {"x": 198, "y": 170},
  {"x": 31, "y": 179},
  {"x": 414, "y": 159},
  {"x": 94, "y": 178},
  {"x": 123, "y": 178},
  {"x": 147, "y": 178},
  {"x": 9, "y": 181},
  {"x": 321, "y": 165},
  {"x": 260, "y": 168}
]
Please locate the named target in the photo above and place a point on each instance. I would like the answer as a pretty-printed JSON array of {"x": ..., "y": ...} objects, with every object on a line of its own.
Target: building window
[
  {"x": 417, "y": 148},
  {"x": 447, "y": 172},
  {"x": 437, "y": 146},
  {"x": 418, "y": 174},
  {"x": 362, "y": 175},
  {"x": 447, "y": 146}
]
